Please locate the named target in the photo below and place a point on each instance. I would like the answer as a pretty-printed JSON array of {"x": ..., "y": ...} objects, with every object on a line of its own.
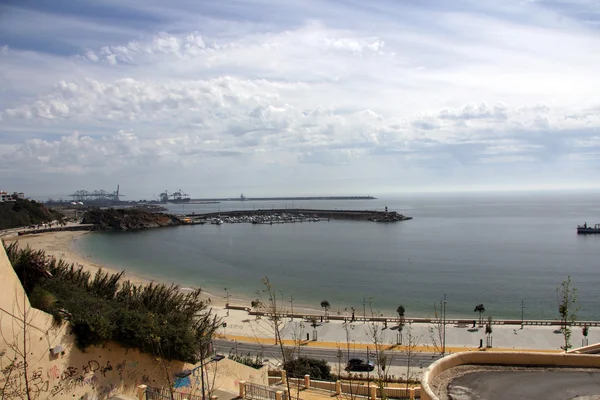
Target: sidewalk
[{"x": 333, "y": 334}]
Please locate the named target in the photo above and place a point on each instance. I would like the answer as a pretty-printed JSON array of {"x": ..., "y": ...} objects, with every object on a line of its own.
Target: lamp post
[
  {"x": 292, "y": 302},
  {"x": 227, "y": 303},
  {"x": 522, "y": 312},
  {"x": 444, "y": 326},
  {"x": 364, "y": 310},
  {"x": 282, "y": 303}
]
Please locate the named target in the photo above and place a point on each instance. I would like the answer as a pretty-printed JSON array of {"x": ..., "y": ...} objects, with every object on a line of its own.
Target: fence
[
  {"x": 252, "y": 391},
  {"x": 357, "y": 388},
  {"x": 153, "y": 393}
]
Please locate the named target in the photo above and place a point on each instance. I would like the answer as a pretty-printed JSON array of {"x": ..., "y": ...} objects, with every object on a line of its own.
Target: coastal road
[{"x": 273, "y": 354}]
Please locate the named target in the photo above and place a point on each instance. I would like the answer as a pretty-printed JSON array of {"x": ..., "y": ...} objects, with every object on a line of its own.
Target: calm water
[{"x": 495, "y": 249}]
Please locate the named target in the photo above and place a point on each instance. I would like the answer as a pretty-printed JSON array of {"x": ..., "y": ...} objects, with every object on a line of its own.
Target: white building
[{"x": 4, "y": 196}]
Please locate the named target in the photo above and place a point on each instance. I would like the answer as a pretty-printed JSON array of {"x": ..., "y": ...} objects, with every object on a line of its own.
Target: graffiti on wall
[{"x": 95, "y": 375}]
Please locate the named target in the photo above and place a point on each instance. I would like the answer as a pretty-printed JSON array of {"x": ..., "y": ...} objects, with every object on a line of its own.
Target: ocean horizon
[{"x": 497, "y": 249}]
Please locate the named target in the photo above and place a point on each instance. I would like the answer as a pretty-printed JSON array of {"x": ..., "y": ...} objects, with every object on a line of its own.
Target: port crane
[
  {"x": 84, "y": 195},
  {"x": 167, "y": 196}
]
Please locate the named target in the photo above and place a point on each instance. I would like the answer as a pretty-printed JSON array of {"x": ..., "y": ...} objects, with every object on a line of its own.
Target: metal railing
[
  {"x": 254, "y": 391},
  {"x": 153, "y": 393}
]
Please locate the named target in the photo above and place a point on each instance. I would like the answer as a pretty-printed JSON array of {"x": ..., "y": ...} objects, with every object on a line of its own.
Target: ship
[
  {"x": 177, "y": 197},
  {"x": 585, "y": 229}
]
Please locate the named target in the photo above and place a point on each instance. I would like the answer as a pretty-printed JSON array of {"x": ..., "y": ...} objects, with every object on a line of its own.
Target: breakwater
[
  {"x": 299, "y": 214},
  {"x": 302, "y": 198}
]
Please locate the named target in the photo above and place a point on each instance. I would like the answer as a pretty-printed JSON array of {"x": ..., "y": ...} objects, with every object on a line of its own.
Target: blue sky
[{"x": 298, "y": 97}]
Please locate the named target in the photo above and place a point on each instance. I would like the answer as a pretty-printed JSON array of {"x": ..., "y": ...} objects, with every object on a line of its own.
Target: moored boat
[{"x": 584, "y": 229}]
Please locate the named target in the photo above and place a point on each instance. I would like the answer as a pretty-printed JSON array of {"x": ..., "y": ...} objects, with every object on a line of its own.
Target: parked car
[{"x": 357, "y": 364}]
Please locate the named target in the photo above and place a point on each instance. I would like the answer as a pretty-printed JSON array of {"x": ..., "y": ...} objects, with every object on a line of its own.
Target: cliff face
[{"x": 127, "y": 219}]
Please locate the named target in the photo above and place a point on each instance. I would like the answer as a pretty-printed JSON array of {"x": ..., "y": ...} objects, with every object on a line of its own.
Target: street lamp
[
  {"x": 444, "y": 326},
  {"x": 365, "y": 310},
  {"x": 292, "y": 302},
  {"x": 522, "y": 312},
  {"x": 227, "y": 303}
]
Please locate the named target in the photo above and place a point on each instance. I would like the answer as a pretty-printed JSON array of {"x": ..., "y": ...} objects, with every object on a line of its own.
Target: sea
[{"x": 508, "y": 251}]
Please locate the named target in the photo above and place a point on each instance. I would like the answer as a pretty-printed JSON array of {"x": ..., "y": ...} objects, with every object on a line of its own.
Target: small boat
[{"x": 584, "y": 229}]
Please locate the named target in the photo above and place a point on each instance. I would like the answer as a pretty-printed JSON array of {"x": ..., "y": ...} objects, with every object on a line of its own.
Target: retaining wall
[{"x": 530, "y": 359}]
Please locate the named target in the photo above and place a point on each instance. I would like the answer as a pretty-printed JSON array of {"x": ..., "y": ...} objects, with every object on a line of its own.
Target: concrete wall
[
  {"x": 503, "y": 358},
  {"x": 99, "y": 372}
]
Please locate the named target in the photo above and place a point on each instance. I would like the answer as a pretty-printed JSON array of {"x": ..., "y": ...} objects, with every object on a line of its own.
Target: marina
[{"x": 290, "y": 216}]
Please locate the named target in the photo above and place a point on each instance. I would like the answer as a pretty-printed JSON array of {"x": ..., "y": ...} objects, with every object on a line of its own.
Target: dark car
[{"x": 357, "y": 364}]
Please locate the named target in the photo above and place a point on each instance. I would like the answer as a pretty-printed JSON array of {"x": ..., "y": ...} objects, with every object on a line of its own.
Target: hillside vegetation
[
  {"x": 127, "y": 218},
  {"x": 156, "y": 319},
  {"x": 24, "y": 213}
]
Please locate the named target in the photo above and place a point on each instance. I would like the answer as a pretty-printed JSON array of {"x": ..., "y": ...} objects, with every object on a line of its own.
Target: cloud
[{"x": 348, "y": 90}]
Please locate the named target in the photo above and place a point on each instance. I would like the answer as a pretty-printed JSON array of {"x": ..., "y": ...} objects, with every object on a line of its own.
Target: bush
[
  {"x": 317, "y": 369},
  {"x": 247, "y": 359},
  {"x": 156, "y": 319}
]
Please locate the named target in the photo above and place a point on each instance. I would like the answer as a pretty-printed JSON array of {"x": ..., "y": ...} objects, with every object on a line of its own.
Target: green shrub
[
  {"x": 317, "y": 369},
  {"x": 155, "y": 319},
  {"x": 247, "y": 359}
]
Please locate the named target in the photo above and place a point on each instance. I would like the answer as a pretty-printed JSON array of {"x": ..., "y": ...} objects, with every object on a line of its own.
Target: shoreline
[
  {"x": 61, "y": 245},
  {"x": 243, "y": 326}
]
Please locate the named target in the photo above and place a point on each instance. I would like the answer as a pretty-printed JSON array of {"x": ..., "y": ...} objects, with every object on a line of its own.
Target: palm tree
[
  {"x": 325, "y": 304},
  {"x": 480, "y": 309},
  {"x": 256, "y": 305},
  {"x": 400, "y": 310}
]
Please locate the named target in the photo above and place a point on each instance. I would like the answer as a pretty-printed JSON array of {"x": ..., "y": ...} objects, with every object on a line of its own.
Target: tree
[
  {"x": 566, "y": 296},
  {"x": 383, "y": 359},
  {"x": 401, "y": 321},
  {"x": 273, "y": 309},
  {"x": 488, "y": 331},
  {"x": 584, "y": 332},
  {"x": 411, "y": 349},
  {"x": 436, "y": 331},
  {"x": 325, "y": 305},
  {"x": 353, "y": 386},
  {"x": 256, "y": 305},
  {"x": 480, "y": 309}
]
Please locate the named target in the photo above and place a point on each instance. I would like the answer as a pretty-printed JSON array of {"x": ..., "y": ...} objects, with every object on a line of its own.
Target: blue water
[{"x": 497, "y": 249}]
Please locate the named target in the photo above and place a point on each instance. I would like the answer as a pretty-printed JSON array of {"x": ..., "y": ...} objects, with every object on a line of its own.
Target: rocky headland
[{"x": 127, "y": 219}]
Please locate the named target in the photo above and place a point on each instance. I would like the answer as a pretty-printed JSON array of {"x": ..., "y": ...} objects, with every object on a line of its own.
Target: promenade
[{"x": 359, "y": 335}]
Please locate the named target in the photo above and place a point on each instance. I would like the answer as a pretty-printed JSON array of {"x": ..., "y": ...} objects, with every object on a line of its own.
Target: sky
[{"x": 298, "y": 97}]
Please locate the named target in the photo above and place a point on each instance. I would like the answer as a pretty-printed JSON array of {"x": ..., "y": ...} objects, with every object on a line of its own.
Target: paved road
[
  {"x": 525, "y": 385},
  {"x": 332, "y": 356}
]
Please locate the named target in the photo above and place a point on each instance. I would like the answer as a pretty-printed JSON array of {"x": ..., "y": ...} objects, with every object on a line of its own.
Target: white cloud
[{"x": 429, "y": 91}]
